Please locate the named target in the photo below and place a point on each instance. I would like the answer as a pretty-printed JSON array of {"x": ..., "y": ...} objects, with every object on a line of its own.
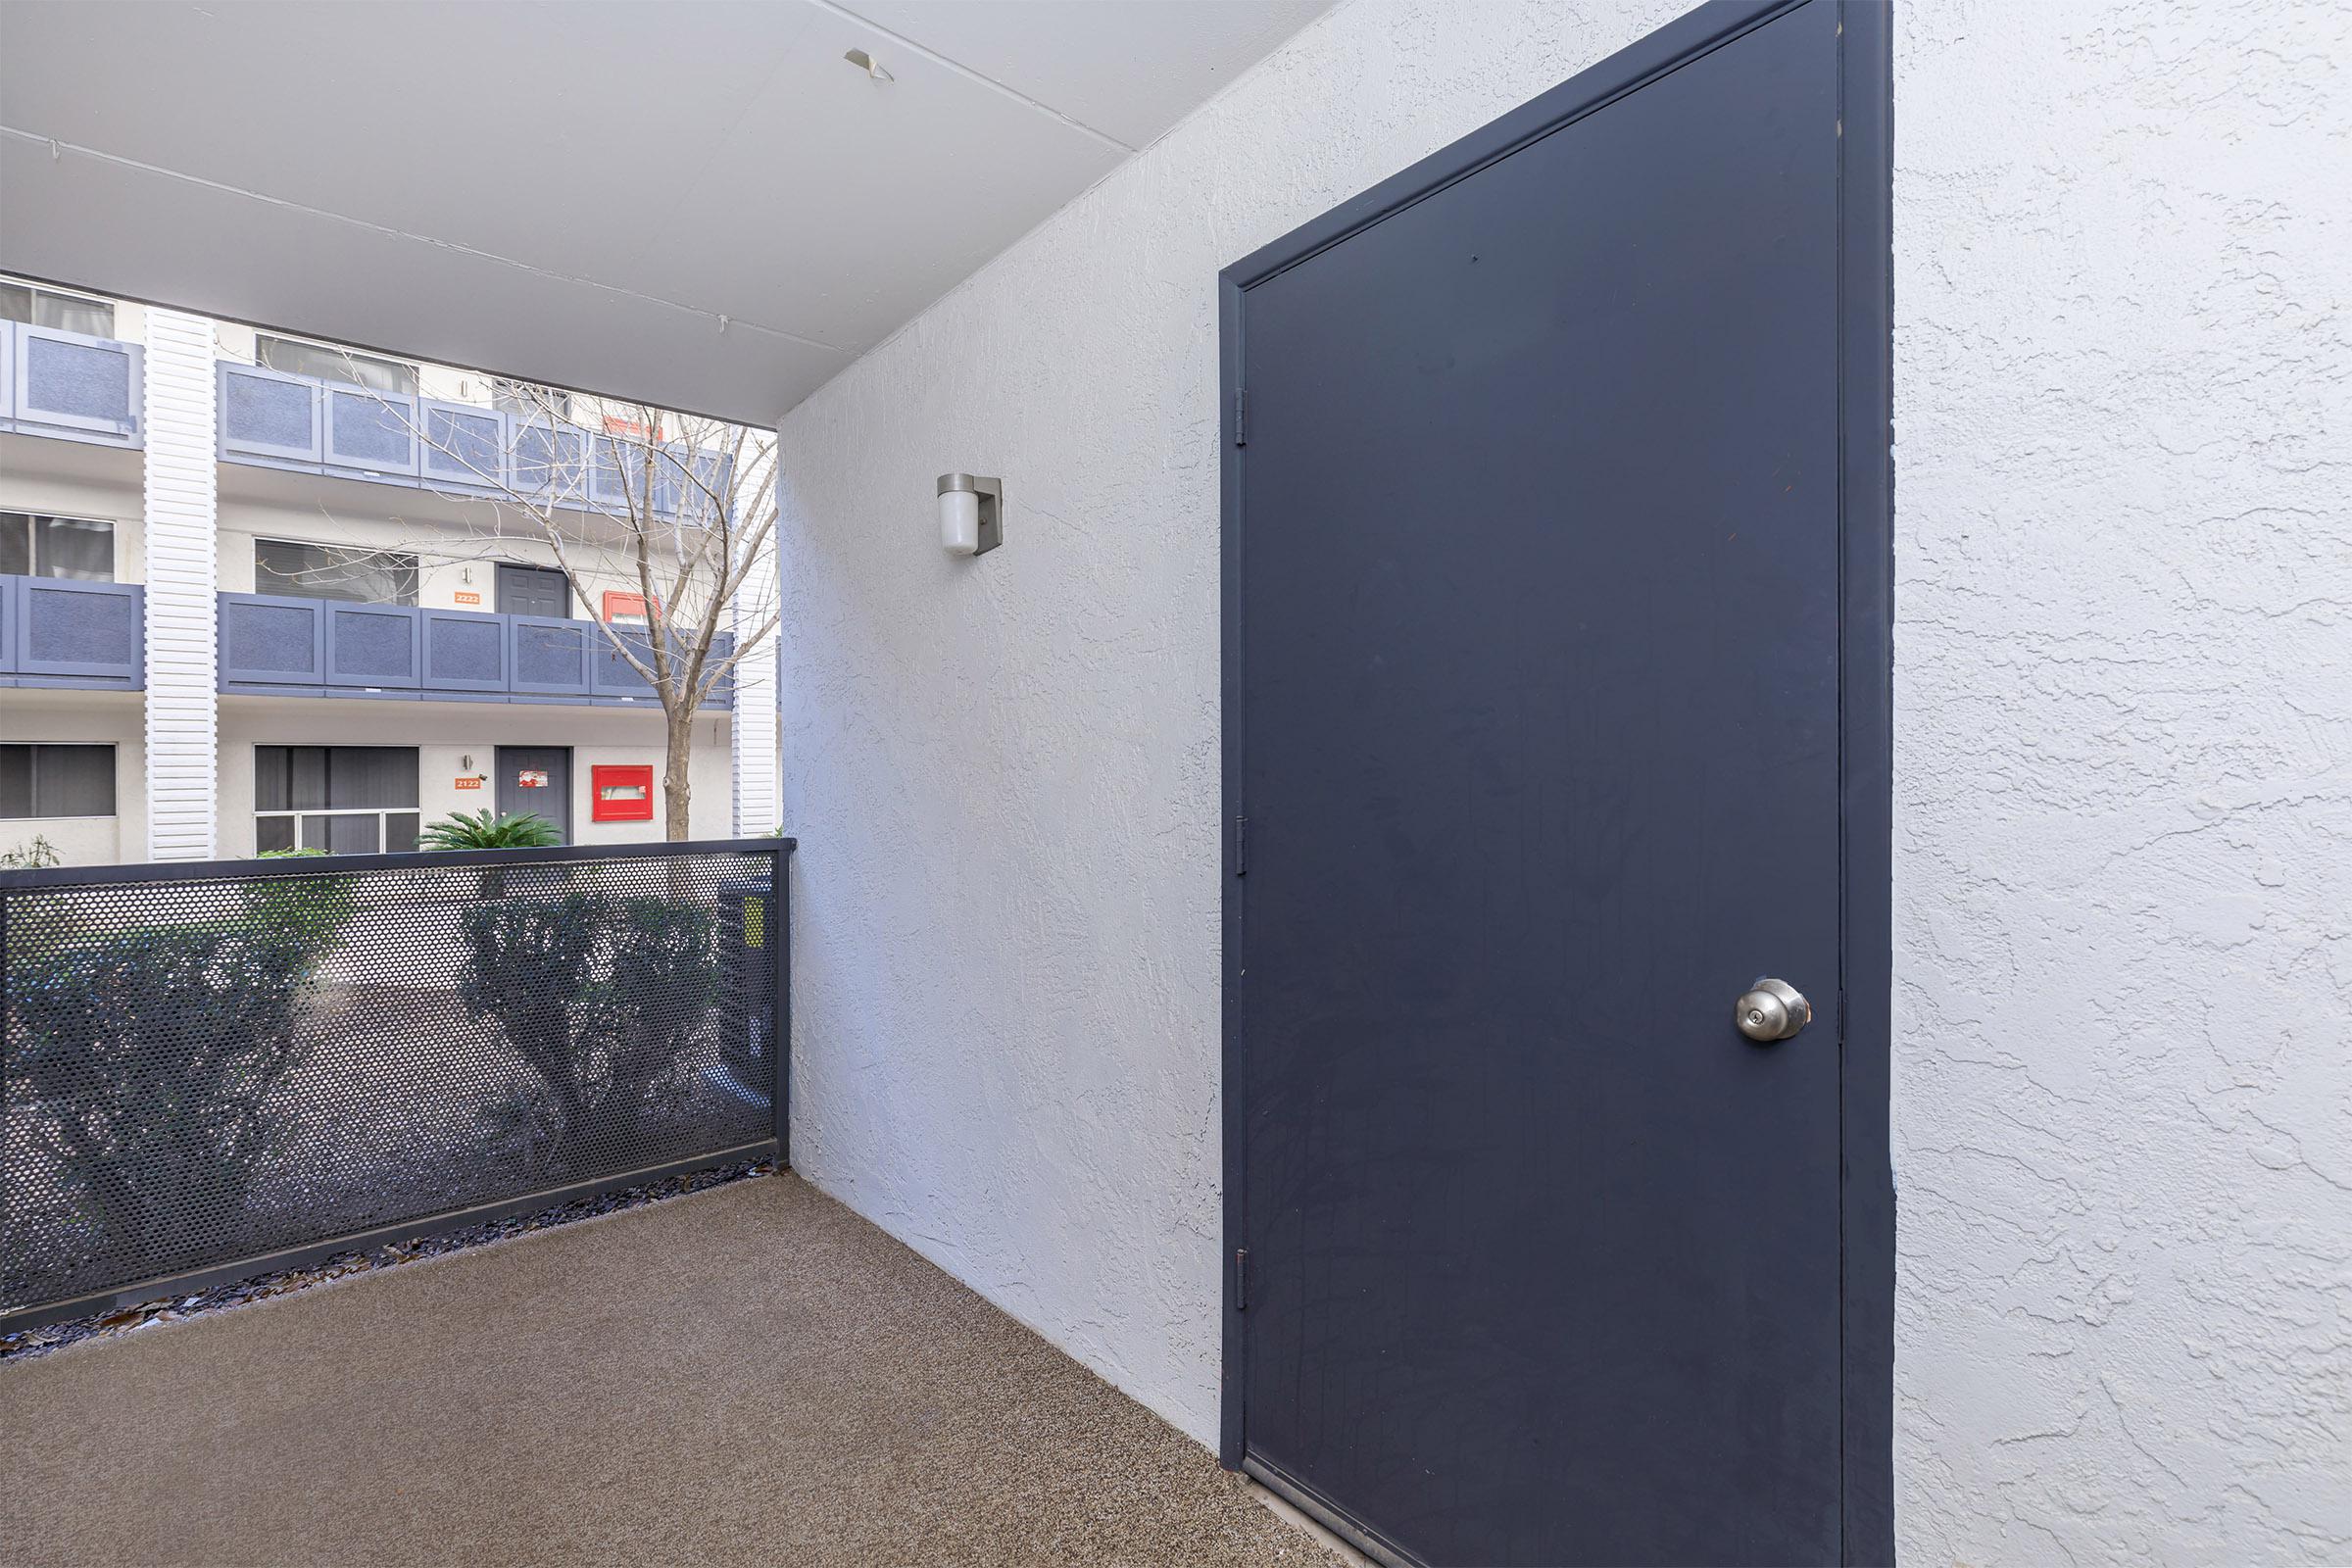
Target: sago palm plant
[{"x": 488, "y": 830}]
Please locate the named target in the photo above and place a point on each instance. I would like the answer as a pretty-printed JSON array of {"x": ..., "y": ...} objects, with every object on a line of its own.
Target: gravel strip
[{"x": 28, "y": 1343}]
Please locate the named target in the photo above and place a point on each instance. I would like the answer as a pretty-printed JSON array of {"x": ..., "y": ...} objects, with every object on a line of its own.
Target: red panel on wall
[{"x": 621, "y": 792}]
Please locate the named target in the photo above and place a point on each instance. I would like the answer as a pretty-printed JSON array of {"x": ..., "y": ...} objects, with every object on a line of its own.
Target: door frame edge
[
  {"x": 1866, "y": 777},
  {"x": 1231, "y": 1436}
]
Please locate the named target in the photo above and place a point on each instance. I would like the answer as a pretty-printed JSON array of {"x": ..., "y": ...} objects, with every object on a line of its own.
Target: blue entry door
[{"x": 1533, "y": 738}]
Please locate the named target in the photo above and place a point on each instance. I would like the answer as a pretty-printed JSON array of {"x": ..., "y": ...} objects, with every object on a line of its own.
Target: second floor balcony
[
  {"x": 70, "y": 385},
  {"x": 79, "y": 635},
  {"x": 274, "y": 419},
  {"x": 278, "y": 646}
]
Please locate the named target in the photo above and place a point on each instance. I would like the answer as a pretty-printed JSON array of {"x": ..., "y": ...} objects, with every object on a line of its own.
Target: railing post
[
  {"x": 779, "y": 920},
  {"x": 6, "y": 1012}
]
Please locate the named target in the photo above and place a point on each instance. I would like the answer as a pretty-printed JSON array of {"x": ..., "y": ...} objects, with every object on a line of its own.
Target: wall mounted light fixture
[{"x": 971, "y": 514}]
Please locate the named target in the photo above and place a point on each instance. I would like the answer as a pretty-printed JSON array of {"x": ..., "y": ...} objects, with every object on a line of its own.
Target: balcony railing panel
[
  {"x": 373, "y": 432},
  {"x": 55, "y": 632},
  {"x": 282, "y": 421},
  {"x": 377, "y": 648},
  {"x": 268, "y": 416},
  {"x": 216, "y": 1068},
  {"x": 466, "y": 652},
  {"x": 283, "y": 645},
  {"x": 616, "y": 676},
  {"x": 723, "y": 695},
  {"x": 65, "y": 384},
  {"x": 550, "y": 657},
  {"x": 463, "y": 447},
  {"x": 269, "y": 641},
  {"x": 546, "y": 462}
]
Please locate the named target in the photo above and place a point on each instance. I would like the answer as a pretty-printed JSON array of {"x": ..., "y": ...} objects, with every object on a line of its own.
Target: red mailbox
[{"x": 622, "y": 792}]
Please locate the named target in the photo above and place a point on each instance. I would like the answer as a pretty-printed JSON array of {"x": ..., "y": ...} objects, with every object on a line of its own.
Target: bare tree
[{"x": 677, "y": 510}]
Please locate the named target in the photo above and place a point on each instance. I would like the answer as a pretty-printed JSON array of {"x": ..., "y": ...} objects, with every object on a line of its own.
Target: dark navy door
[
  {"x": 536, "y": 779},
  {"x": 1534, "y": 729}
]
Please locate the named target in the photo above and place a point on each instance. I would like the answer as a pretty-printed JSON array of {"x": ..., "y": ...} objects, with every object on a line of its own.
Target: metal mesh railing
[{"x": 210, "y": 1064}]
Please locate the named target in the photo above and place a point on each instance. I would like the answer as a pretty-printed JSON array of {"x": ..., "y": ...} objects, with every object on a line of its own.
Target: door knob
[{"x": 1772, "y": 1010}]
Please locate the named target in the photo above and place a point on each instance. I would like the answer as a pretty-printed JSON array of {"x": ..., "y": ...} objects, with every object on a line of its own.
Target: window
[
  {"x": 345, "y": 799},
  {"x": 321, "y": 363},
  {"x": 523, "y": 397},
  {"x": 36, "y": 545},
  {"x": 45, "y": 307},
  {"x": 57, "y": 781},
  {"x": 331, "y": 572}
]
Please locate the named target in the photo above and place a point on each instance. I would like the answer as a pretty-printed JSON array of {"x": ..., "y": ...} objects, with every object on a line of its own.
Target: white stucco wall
[
  {"x": 2124, "y": 783},
  {"x": 2125, "y": 719},
  {"x": 1004, "y": 773}
]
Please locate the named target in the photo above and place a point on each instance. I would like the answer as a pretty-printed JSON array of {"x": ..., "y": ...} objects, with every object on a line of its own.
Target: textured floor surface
[{"x": 751, "y": 1374}]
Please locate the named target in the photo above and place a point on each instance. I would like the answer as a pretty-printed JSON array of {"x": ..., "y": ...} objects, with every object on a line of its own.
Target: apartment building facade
[{"x": 258, "y": 593}]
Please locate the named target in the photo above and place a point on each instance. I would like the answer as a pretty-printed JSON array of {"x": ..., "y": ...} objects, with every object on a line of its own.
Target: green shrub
[
  {"x": 530, "y": 973},
  {"x": 307, "y": 912},
  {"x": 149, "y": 1058},
  {"x": 599, "y": 997},
  {"x": 664, "y": 967},
  {"x": 38, "y": 855}
]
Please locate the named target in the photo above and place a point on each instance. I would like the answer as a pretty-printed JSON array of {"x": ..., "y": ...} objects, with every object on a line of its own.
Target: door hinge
[
  {"x": 1240, "y": 1279},
  {"x": 1241, "y": 845},
  {"x": 1241, "y": 416}
]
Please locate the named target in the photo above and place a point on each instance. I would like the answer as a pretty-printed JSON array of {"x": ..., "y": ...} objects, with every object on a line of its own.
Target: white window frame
[
  {"x": 114, "y": 525},
  {"x": 383, "y": 828},
  {"x": 261, "y": 360},
  {"x": 34, "y": 291},
  {"x": 416, "y": 565},
  {"x": 114, "y": 751}
]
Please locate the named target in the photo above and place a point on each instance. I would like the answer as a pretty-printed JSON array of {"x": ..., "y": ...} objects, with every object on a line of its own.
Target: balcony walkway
[{"x": 751, "y": 1374}]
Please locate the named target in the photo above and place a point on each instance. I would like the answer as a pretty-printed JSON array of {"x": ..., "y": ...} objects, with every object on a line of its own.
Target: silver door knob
[{"x": 1772, "y": 1010}]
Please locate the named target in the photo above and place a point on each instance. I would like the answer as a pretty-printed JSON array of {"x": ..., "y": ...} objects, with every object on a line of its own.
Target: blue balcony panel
[
  {"x": 268, "y": 417},
  {"x": 274, "y": 645},
  {"x": 82, "y": 635},
  {"x": 374, "y": 649},
  {"x": 280, "y": 421},
  {"x": 372, "y": 432},
  {"x": 467, "y": 653},
  {"x": 550, "y": 657},
  {"x": 464, "y": 448},
  {"x": 68, "y": 385},
  {"x": 271, "y": 641}
]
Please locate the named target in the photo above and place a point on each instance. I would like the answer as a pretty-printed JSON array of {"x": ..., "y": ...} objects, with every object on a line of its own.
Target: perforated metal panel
[
  {"x": 264, "y": 413},
  {"x": 549, "y": 460},
  {"x": 268, "y": 639},
  {"x": 211, "y": 1064},
  {"x": 371, "y": 645},
  {"x": 615, "y": 676},
  {"x": 463, "y": 447},
  {"x": 81, "y": 383},
  {"x": 550, "y": 656},
  {"x": 465, "y": 653},
  {"x": 372, "y": 431},
  {"x": 79, "y": 628}
]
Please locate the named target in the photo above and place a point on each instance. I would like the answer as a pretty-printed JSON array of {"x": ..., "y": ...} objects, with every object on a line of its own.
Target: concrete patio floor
[{"x": 751, "y": 1374}]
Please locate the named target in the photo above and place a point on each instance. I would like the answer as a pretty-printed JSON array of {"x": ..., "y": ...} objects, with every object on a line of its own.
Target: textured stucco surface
[
  {"x": 1004, "y": 773},
  {"x": 2124, "y": 783},
  {"x": 2124, "y": 778}
]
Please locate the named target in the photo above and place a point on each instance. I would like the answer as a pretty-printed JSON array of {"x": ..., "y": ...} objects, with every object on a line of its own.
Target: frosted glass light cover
[{"x": 960, "y": 521}]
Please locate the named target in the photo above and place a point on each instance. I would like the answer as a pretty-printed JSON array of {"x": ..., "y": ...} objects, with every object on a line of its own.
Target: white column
[
  {"x": 183, "y": 556},
  {"x": 759, "y": 807}
]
